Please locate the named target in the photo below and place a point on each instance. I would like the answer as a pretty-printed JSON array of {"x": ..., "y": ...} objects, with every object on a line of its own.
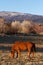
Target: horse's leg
[
  {"x": 32, "y": 51},
  {"x": 18, "y": 53},
  {"x": 29, "y": 52},
  {"x": 33, "y": 54}
]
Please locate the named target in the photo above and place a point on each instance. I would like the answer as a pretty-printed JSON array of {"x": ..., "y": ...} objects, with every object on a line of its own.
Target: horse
[{"x": 21, "y": 46}]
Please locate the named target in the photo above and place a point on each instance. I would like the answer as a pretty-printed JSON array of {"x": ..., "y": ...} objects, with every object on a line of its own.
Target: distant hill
[{"x": 11, "y": 16}]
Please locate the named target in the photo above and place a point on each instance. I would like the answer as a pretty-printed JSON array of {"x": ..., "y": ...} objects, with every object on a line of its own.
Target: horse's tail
[{"x": 34, "y": 47}]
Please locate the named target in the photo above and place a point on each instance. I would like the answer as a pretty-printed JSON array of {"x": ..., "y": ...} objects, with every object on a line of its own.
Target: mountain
[{"x": 11, "y": 16}]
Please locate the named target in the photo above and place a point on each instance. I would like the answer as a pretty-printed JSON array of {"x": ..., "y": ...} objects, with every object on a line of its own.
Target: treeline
[{"x": 17, "y": 27}]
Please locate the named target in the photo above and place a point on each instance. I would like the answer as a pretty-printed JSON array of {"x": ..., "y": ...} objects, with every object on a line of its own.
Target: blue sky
[{"x": 24, "y": 6}]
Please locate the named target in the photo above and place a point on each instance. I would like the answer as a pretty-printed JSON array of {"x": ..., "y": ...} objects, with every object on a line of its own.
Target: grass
[{"x": 23, "y": 60}]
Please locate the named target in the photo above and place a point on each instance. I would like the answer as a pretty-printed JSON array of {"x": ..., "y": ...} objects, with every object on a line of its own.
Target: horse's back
[
  {"x": 21, "y": 45},
  {"x": 24, "y": 45},
  {"x": 30, "y": 44}
]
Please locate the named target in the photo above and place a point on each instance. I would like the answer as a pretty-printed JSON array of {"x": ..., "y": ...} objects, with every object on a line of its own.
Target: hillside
[{"x": 10, "y": 16}]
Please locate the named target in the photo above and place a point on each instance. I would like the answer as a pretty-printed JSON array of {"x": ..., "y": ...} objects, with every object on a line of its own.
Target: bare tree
[
  {"x": 1, "y": 25},
  {"x": 15, "y": 26}
]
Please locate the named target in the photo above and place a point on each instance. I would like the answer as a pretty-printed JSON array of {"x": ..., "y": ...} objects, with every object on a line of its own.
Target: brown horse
[{"x": 23, "y": 46}]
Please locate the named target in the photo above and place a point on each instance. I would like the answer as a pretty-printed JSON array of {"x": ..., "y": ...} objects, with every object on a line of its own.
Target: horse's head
[{"x": 12, "y": 54}]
